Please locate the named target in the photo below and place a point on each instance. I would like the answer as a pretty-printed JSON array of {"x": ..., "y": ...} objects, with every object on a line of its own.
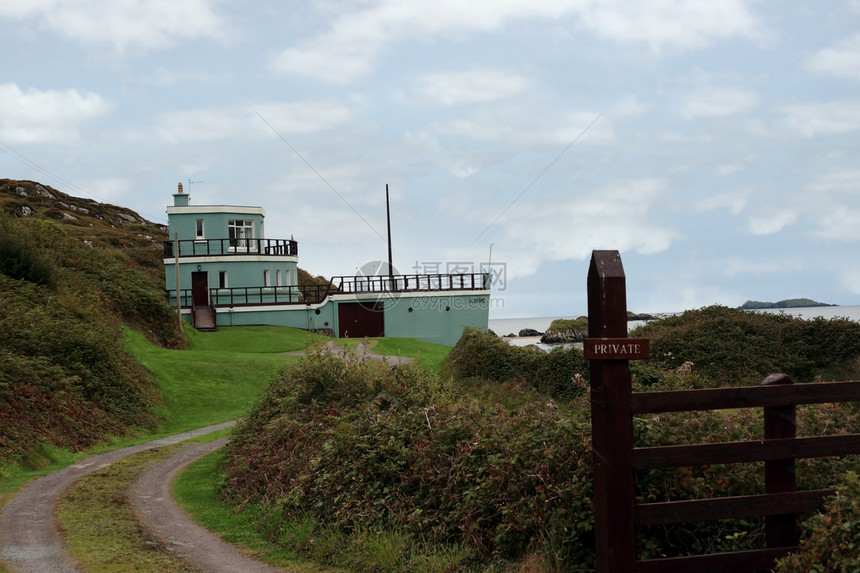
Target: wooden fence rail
[{"x": 613, "y": 405}]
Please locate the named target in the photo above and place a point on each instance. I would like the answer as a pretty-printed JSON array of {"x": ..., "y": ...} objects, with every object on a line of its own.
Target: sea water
[{"x": 505, "y": 326}]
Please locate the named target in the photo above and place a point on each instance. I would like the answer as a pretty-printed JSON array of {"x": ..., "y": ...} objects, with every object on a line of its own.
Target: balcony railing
[
  {"x": 240, "y": 296},
  {"x": 411, "y": 283},
  {"x": 229, "y": 247},
  {"x": 314, "y": 294}
]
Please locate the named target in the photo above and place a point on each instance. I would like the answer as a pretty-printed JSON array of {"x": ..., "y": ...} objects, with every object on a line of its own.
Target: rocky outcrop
[
  {"x": 563, "y": 336},
  {"x": 529, "y": 332}
]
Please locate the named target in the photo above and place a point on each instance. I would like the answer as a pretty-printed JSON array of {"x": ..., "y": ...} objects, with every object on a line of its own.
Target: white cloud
[
  {"x": 49, "y": 116},
  {"x": 198, "y": 126},
  {"x": 615, "y": 216},
  {"x": 840, "y": 225},
  {"x": 772, "y": 221},
  {"x": 729, "y": 168},
  {"x": 285, "y": 118},
  {"x": 850, "y": 280},
  {"x": 833, "y": 206},
  {"x": 347, "y": 51},
  {"x": 477, "y": 86},
  {"x": 841, "y": 60},
  {"x": 812, "y": 119},
  {"x": 827, "y": 208},
  {"x": 734, "y": 266},
  {"x": 304, "y": 116},
  {"x": 680, "y": 23},
  {"x": 115, "y": 190},
  {"x": 13, "y": 9},
  {"x": 164, "y": 77},
  {"x": 844, "y": 181},
  {"x": 145, "y": 24},
  {"x": 512, "y": 126},
  {"x": 733, "y": 201},
  {"x": 719, "y": 102}
]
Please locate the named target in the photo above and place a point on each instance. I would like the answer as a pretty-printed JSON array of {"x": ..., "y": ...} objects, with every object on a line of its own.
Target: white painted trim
[
  {"x": 347, "y": 297},
  {"x": 410, "y": 294},
  {"x": 204, "y": 209},
  {"x": 234, "y": 259}
]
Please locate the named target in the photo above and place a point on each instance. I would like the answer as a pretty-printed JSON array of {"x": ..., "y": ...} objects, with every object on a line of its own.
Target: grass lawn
[
  {"x": 426, "y": 354},
  {"x": 222, "y": 373}
]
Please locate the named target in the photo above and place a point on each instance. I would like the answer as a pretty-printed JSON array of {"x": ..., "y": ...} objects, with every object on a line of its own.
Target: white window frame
[
  {"x": 241, "y": 234},
  {"x": 267, "y": 278},
  {"x": 222, "y": 279},
  {"x": 200, "y": 229}
]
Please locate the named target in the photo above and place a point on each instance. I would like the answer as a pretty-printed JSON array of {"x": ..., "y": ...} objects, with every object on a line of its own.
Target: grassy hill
[{"x": 72, "y": 272}]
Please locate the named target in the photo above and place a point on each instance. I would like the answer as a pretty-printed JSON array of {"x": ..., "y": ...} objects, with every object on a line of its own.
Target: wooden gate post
[
  {"x": 611, "y": 418},
  {"x": 779, "y": 475}
]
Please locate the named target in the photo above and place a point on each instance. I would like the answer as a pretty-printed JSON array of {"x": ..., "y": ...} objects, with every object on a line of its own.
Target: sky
[{"x": 714, "y": 143}]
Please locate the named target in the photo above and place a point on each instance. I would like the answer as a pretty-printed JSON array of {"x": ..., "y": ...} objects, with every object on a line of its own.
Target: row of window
[
  {"x": 281, "y": 279},
  {"x": 237, "y": 230}
]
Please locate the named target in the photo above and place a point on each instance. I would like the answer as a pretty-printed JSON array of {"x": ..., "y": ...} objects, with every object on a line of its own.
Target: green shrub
[
  {"x": 482, "y": 355},
  {"x": 20, "y": 257},
  {"x": 357, "y": 446},
  {"x": 734, "y": 347},
  {"x": 832, "y": 542}
]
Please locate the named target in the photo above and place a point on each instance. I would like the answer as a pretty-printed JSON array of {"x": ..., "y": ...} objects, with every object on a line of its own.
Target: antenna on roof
[
  {"x": 190, "y": 182},
  {"x": 388, "y": 219}
]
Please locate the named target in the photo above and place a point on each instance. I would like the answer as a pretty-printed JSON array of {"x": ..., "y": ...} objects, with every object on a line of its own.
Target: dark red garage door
[{"x": 357, "y": 320}]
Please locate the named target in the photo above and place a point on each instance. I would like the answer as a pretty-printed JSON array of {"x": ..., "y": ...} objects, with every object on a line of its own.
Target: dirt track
[
  {"x": 29, "y": 540},
  {"x": 150, "y": 496}
]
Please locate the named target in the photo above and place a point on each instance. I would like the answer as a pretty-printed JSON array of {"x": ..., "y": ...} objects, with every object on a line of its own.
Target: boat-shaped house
[{"x": 223, "y": 271}]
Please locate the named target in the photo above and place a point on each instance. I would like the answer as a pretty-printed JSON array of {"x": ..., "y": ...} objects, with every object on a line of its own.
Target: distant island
[{"x": 789, "y": 303}]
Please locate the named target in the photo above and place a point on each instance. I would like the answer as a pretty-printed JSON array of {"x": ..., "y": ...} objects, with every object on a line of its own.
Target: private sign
[{"x": 615, "y": 348}]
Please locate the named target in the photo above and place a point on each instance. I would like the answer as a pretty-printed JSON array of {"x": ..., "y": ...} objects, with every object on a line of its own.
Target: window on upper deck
[
  {"x": 241, "y": 233},
  {"x": 199, "y": 229}
]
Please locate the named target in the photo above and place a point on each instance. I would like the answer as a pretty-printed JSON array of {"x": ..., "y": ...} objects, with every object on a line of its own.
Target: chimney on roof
[{"x": 180, "y": 199}]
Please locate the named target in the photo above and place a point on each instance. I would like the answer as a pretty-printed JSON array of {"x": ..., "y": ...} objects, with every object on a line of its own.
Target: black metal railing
[
  {"x": 411, "y": 283},
  {"x": 315, "y": 294},
  {"x": 243, "y": 296},
  {"x": 229, "y": 247}
]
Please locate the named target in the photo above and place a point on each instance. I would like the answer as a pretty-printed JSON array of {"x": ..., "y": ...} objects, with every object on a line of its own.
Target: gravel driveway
[{"x": 29, "y": 539}]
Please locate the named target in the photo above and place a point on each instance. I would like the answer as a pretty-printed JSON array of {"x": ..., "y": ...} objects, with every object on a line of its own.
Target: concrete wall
[
  {"x": 242, "y": 271},
  {"x": 183, "y": 220},
  {"x": 438, "y": 319},
  {"x": 306, "y": 317}
]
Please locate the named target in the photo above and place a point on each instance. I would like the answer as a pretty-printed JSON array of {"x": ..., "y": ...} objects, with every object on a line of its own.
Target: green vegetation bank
[
  {"x": 487, "y": 466},
  {"x": 73, "y": 274}
]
